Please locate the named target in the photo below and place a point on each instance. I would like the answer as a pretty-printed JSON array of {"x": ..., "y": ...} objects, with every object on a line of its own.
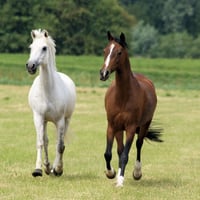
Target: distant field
[{"x": 84, "y": 70}]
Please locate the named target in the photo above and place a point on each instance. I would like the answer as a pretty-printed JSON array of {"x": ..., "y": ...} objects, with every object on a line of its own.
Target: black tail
[{"x": 154, "y": 134}]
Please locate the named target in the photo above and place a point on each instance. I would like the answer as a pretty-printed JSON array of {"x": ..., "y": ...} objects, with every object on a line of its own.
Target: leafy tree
[
  {"x": 78, "y": 26},
  {"x": 15, "y": 19},
  {"x": 175, "y": 14},
  {"x": 192, "y": 22},
  {"x": 85, "y": 23},
  {"x": 145, "y": 37},
  {"x": 173, "y": 45}
]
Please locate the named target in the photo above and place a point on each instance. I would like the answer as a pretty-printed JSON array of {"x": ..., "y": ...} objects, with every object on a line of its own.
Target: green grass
[
  {"x": 170, "y": 169},
  {"x": 166, "y": 73}
]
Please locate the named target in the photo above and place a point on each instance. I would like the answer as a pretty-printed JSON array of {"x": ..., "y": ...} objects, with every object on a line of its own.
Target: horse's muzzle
[
  {"x": 104, "y": 75},
  {"x": 31, "y": 68}
]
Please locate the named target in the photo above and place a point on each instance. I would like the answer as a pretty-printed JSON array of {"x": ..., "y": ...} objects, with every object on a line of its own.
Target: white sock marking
[{"x": 120, "y": 179}]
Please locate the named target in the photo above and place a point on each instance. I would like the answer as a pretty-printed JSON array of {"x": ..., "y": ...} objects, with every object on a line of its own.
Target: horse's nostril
[
  {"x": 107, "y": 73},
  {"x": 33, "y": 66}
]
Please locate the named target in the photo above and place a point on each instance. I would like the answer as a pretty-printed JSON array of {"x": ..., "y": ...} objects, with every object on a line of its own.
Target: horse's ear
[
  {"x": 110, "y": 37},
  {"x": 33, "y": 34},
  {"x": 122, "y": 38},
  {"x": 45, "y": 33}
]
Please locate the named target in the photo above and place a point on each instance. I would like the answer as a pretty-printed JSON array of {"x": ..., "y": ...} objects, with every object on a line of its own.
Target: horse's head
[
  {"x": 39, "y": 50},
  {"x": 114, "y": 53}
]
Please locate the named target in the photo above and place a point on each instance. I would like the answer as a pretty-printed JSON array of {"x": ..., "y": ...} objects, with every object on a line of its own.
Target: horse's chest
[
  {"x": 50, "y": 108},
  {"x": 119, "y": 117}
]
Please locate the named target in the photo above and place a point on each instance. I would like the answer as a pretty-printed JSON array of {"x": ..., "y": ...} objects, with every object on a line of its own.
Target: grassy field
[
  {"x": 170, "y": 170},
  {"x": 84, "y": 70}
]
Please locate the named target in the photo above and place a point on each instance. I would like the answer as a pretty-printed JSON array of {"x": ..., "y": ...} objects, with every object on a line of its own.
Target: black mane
[{"x": 123, "y": 44}]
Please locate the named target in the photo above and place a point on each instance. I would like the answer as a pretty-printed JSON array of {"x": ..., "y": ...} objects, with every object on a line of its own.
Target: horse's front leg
[
  {"x": 40, "y": 129},
  {"x": 124, "y": 158},
  {"x": 110, "y": 172},
  {"x": 62, "y": 126}
]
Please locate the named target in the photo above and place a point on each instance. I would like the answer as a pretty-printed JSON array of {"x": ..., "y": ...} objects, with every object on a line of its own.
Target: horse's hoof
[
  {"x": 120, "y": 181},
  {"x": 137, "y": 172},
  {"x": 48, "y": 168},
  {"x": 37, "y": 172},
  {"x": 137, "y": 177},
  {"x": 110, "y": 174},
  {"x": 57, "y": 173},
  {"x": 47, "y": 171}
]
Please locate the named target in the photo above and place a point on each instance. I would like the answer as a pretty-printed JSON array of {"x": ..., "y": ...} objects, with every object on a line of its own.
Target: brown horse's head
[{"x": 114, "y": 54}]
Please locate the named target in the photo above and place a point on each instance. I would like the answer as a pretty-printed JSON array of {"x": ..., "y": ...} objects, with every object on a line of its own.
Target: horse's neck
[
  {"x": 125, "y": 81},
  {"x": 123, "y": 76},
  {"x": 47, "y": 77}
]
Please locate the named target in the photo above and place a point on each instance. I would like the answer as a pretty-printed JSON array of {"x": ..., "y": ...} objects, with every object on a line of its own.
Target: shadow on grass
[
  {"x": 79, "y": 177},
  {"x": 164, "y": 182}
]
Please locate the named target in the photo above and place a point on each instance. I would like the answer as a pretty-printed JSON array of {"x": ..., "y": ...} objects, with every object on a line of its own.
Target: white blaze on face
[{"x": 108, "y": 57}]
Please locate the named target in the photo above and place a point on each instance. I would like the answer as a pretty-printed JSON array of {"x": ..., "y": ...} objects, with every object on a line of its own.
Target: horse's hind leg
[
  {"x": 137, "y": 173},
  {"x": 110, "y": 172},
  {"x": 47, "y": 165},
  {"x": 62, "y": 126}
]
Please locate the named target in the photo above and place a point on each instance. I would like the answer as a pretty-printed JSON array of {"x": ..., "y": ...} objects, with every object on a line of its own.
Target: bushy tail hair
[{"x": 154, "y": 134}]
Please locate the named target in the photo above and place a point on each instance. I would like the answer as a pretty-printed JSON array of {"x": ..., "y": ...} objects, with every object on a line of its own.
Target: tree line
[
  {"x": 169, "y": 28},
  {"x": 153, "y": 28},
  {"x": 78, "y": 26}
]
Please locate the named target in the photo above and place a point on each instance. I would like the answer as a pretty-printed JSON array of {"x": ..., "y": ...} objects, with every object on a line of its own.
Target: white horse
[{"x": 52, "y": 98}]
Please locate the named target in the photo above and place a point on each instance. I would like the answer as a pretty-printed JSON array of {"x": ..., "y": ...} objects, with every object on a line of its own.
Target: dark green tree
[
  {"x": 83, "y": 25},
  {"x": 16, "y": 19}
]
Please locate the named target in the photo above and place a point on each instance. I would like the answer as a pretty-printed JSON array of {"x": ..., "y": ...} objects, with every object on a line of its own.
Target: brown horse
[{"x": 130, "y": 102}]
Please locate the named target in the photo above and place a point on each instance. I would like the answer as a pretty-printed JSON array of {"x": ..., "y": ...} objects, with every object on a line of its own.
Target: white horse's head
[{"x": 42, "y": 49}]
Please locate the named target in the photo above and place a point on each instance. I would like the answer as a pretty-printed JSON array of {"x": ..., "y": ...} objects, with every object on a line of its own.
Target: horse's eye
[
  {"x": 119, "y": 53},
  {"x": 44, "y": 48}
]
